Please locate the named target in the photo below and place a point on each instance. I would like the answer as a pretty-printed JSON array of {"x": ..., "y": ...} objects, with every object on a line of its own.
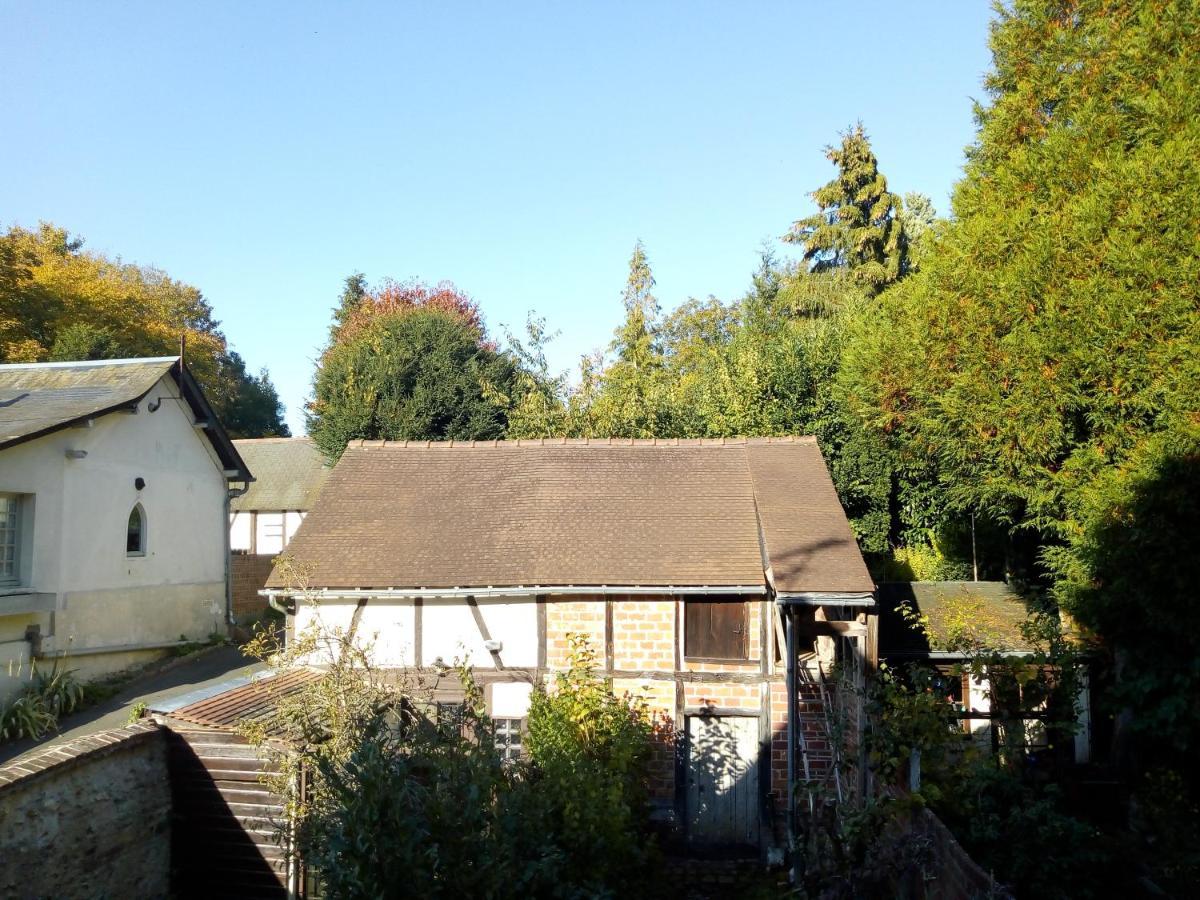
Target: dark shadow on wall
[
  {"x": 225, "y": 820},
  {"x": 721, "y": 795}
]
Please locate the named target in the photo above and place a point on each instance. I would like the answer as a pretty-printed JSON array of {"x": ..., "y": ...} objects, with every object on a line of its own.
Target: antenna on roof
[{"x": 182, "y": 344}]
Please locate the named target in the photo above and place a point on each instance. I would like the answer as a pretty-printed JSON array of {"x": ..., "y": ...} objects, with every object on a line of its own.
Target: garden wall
[
  {"x": 954, "y": 875},
  {"x": 88, "y": 818}
]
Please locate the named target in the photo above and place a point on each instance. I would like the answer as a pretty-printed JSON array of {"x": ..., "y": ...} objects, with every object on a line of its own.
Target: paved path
[{"x": 208, "y": 673}]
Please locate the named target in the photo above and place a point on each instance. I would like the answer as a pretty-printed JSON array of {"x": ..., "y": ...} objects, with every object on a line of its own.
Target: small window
[
  {"x": 10, "y": 545},
  {"x": 715, "y": 629},
  {"x": 508, "y": 738},
  {"x": 135, "y": 532},
  {"x": 451, "y": 718}
]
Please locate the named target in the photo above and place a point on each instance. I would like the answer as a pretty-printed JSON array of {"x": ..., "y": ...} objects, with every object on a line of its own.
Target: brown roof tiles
[{"x": 558, "y": 512}]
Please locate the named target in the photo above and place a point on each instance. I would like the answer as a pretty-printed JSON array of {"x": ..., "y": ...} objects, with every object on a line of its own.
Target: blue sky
[{"x": 263, "y": 151}]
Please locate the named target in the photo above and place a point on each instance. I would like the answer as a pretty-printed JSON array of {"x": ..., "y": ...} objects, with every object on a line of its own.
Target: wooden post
[{"x": 790, "y": 632}]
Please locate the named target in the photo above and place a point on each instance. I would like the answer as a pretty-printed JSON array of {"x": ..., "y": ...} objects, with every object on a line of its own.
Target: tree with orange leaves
[{"x": 408, "y": 360}]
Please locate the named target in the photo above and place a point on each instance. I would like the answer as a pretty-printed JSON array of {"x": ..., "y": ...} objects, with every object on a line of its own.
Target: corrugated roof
[
  {"x": 288, "y": 472},
  {"x": 253, "y": 702},
  {"x": 579, "y": 512},
  {"x": 38, "y": 398},
  {"x": 987, "y": 612}
]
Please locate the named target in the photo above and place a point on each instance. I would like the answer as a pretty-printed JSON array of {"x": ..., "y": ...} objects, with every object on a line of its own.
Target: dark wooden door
[{"x": 715, "y": 629}]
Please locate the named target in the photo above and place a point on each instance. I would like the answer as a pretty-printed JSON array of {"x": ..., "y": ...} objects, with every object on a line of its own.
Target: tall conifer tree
[{"x": 856, "y": 227}]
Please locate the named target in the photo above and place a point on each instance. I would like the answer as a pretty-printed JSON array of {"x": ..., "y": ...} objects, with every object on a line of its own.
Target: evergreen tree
[
  {"x": 917, "y": 219},
  {"x": 856, "y": 225},
  {"x": 628, "y": 397},
  {"x": 1047, "y": 355},
  {"x": 635, "y": 341},
  {"x": 410, "y": 363},
  {"x": 354, "y": 291}
]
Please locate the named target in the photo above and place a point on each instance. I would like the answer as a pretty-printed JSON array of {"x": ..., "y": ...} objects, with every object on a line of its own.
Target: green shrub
[
  {"x": 37, "y": 709},
  {"x": 401, "y": 805},
  {"x": 588, "y": 751}
]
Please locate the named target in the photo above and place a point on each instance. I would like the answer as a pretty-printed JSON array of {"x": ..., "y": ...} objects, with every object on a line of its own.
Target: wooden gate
[{"x": 722, "y": 780}]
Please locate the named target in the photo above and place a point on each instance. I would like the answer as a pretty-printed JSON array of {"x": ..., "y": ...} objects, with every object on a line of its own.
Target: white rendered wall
[
  {"x": 450, "y": 632},
  {"x": 510, "y": 700},
  {"x": 387, "y": 628},
  {"x": 291, "y": 524},
  {"x": 80, "y": 511},
  {"x": 239, "y": 531},
  {"x": 263, "y": 531},
  {"x": 269, "y": 532}
]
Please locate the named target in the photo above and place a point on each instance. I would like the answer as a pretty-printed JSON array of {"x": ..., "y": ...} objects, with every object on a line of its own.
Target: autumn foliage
[{"x": 393, "y": 298}]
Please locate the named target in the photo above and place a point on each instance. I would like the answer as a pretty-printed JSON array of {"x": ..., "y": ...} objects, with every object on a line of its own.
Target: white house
[
  {"x": 115, "y": 483},
  {"x": 288, "y": 475}
]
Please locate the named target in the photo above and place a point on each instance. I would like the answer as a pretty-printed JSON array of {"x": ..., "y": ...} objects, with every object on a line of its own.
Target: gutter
[
  {"x": 952, "y": 655},
  {"x": 272, "y": 594},
  {"x": 821, "y": 598}
]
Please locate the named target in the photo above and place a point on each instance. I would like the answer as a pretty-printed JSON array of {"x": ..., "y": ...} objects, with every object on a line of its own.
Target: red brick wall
[
  {"x": 645, "y": 636},
  {"x": 249, "y": 573}
]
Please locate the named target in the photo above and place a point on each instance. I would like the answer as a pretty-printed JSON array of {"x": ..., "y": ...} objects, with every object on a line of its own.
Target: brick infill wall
[{"x": 249, "y": 573}]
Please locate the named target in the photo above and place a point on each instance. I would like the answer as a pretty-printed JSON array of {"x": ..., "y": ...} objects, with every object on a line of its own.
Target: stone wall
[
  {"x": 953, "y": 874},
  {"x": 89, "y": 818},
  {"x": 248, "y": 573}
]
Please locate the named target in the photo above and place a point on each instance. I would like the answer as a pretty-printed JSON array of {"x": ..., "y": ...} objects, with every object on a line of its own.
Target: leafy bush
[
  {"x": 399, "y": 804},
  {"x": 37, "y": 709},
  {"x": 589, "y": 750},
  {"x": 1020, "y": 832}
]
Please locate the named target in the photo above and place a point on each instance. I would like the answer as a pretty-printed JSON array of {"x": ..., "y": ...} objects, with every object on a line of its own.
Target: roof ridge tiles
[{"x": 498, "y": 443}]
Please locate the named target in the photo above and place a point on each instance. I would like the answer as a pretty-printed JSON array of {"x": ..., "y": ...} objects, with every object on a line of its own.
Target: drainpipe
[{"x": 230, "y": 494}]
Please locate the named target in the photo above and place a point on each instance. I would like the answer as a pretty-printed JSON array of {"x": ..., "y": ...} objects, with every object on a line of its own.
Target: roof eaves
[{"x": 235, "y": 469}]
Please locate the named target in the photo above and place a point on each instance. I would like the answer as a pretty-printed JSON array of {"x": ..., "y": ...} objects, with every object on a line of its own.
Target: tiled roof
[
  {"x": 37, "y": 398},
  {"x": 289, "y": 473},
  {"x": 580, "y": 513},
  {"x": 989, "y": 612}
]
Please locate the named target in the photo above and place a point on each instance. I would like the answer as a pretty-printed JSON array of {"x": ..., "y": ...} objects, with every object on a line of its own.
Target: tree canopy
[
  {"x": 1046, "y": 358},
  {"x": 60, "y": 302},
  {"x": 856, "y": 226},
  {"x": 410, "y": 361}
]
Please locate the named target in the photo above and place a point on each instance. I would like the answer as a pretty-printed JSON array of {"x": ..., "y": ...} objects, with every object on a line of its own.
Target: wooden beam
[
  {"x": 830, "y": 629},
  {"x": 483, "y": 630}
]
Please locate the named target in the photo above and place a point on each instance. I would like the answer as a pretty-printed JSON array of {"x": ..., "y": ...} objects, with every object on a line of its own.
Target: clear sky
[{"x": 264, "y": 151}]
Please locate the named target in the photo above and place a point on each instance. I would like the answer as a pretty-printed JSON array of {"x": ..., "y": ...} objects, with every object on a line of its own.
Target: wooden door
[{"x": 722, "y": 780}]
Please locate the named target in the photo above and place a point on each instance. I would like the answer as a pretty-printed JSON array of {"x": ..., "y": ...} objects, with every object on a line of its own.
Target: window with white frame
[
  {"x": 508, "y": 737},
  {"x": 10, "y": 539}
]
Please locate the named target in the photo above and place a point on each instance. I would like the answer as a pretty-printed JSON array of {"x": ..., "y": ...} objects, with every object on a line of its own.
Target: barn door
[{"x": 722, "y": 780}]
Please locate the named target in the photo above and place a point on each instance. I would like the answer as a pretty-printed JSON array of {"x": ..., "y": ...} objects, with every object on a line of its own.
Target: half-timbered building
[{"x": 692, "y": 566}]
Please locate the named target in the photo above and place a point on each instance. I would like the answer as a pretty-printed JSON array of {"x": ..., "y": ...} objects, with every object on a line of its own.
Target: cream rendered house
[{"x": 115, "y": 484}]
